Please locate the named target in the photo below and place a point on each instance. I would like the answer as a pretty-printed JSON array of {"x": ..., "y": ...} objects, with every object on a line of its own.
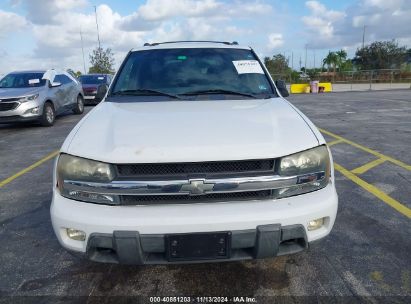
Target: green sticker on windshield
[{"x": 182, "y": 57}]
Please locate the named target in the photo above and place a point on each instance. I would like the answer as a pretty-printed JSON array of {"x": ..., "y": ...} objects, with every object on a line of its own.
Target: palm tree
[
  {"x": 342, "y": 58},
  {"x": 342, "y": 54},
  {"x": 331, "y": 60}
]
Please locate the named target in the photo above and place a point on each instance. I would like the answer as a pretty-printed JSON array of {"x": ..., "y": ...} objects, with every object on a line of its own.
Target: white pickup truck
[{"x": 193, "y": 156}]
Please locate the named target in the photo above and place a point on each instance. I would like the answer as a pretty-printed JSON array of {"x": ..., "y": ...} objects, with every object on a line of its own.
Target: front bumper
[
  {"x": 20, "y": 114},
  {"x": 16, "y": 118},
  {"x": 129, "y": 247},
  {"x": 91, "y": 98},
  {"x": 142, "y": 228}
]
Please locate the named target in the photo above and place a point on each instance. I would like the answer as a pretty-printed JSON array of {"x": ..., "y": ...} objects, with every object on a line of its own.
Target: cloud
[
  {"x": 135, "y": 22},
  {"x": 383, "y": 4},
  {"x": 242, "y": 8},
  {"x": 3, "y": 53},
  {"x": 384, "y": 20},
  {"x": 275, "y": 40},
  {"x": 48, "y": 11},
  {"x": 54, "y": 27},
  {"x": 320, "y": 25},
  {"x": 162, "y": 9},
  {"x": 10, "y": 22}
]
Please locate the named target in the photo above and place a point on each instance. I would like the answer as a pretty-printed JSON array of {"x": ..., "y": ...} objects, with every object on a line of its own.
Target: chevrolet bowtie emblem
[{"x": 197, "y": 187}]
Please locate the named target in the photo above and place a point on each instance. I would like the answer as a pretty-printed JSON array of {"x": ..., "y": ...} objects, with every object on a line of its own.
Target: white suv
[{"x": 194, "y": 155}]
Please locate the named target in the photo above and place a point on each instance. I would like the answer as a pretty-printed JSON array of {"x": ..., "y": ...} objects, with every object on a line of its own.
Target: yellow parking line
[
  {"x": 364, "y": 168},
  {"x": 378, "y": 154},
  {"x": 29, "y": 168},
  {"x": 374, "y": 190},
  {"x": 334, "y": 142}
]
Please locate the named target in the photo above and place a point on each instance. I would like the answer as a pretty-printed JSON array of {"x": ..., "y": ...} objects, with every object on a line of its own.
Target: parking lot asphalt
[{"x": 366, "y": 258}]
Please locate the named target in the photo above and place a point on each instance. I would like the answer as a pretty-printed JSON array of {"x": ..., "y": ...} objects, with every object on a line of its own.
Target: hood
[
  {"x": 190, "y": 131},
  {"x": 17, "y": 92}
]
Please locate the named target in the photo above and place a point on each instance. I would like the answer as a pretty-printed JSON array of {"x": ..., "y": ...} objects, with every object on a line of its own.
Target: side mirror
[
  {"x": 282, "y": 87},
  {"x": 55, "y": 84}
]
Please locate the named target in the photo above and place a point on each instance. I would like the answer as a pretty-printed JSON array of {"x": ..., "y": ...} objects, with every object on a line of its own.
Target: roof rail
[{"x": 188, "y": 41}]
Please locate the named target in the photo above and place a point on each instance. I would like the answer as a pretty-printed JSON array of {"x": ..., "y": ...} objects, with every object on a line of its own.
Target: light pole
[
  {"x": 288, "y": 62},
  {"x": 98, "y": 34},
  {"x": 363, "y": 36},
  {"x": 292, "y": 57},
  {"x": 314, "y": 59},
  {"x": 305, "y": 63},
  {"x": 82, "y": 49}
]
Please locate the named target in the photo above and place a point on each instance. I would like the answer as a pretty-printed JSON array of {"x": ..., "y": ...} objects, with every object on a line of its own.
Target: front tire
[
  {"x": 49, "y": 115},
  {"x": 79, "y": 109}
]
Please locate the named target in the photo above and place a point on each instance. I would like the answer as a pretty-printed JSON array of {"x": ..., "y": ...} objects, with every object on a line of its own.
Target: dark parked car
[{"x": 95, "y": 87}]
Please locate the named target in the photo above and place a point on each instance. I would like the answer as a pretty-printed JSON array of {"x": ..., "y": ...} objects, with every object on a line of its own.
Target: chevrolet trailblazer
[{"x": 193, "y": 156}]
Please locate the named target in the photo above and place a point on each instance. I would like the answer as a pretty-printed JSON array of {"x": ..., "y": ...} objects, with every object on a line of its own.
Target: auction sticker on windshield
[
  {"x": 34, "y": 81},
  {"x": 248, "y": 67}
]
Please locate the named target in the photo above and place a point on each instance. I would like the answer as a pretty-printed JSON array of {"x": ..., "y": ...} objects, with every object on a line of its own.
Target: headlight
[
  {"x": 72, "y": 169},
  {"x": 29, "y": 98},
  {"x": 310, "y": 161},
  {"x": 311, "y": 169},
  {"x": 81, "y": 169}
]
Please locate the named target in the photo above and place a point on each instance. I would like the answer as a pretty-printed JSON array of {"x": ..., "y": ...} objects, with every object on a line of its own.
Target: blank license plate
[{"x": 198, "y": 246}]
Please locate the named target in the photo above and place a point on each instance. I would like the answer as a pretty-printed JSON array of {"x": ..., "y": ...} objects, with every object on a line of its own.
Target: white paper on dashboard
[
  {"x": 33, "y": 81},
  {"x": 248, "y": 67}
]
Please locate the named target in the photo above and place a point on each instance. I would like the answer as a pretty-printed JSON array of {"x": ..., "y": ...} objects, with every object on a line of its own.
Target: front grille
[
  {"x": 186, "y": 199},
  {"x": 7, "y": 106},
  {"x": 219, "y": 168},
  {"x": 9, "y": 99}
]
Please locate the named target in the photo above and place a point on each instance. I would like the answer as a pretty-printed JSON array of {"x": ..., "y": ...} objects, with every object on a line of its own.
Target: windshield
[
  {"x": 22, "y": 80},
  {"x": 199, "y": 71},
  {"x": 92, "y": 79}
]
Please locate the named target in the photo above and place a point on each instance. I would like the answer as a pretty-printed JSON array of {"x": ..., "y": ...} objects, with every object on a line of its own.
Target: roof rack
[{"x": 188, "y": 41}]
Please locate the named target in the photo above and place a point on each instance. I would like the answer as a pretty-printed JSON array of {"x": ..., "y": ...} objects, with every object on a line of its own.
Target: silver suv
[{"x": 39, "y": 96}]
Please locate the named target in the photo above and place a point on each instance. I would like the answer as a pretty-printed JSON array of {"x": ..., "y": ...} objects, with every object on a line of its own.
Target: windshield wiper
[
  {"x": 143, "y": 92},
  {"x": 219, "y": 91}
]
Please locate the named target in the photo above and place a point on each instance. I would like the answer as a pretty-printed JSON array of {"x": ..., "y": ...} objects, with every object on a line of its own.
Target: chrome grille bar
[{"x": 188, "y": 186}]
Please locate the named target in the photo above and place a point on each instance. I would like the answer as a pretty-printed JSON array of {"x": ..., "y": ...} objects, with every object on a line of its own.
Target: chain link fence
[{"x": 382, "y": 79}]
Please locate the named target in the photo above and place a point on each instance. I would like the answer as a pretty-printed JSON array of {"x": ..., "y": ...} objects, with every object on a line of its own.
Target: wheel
[
  {"x": 48, "y": 116},
  {"x": 79, "y": 109}
]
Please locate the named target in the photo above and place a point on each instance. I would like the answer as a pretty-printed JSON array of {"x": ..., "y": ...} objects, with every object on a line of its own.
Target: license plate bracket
[{"x": 198, "y": 246}]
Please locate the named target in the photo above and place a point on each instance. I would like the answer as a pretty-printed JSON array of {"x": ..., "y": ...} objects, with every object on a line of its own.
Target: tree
[
  {"x": 313, "y": 73},
  {"x": 407, "y": 63},
  {"x": 346, "y": 65},
  {"x": 342, "y": 58},
  {"x": 72, "y": 73},
  {"x": 380, "y": 55},
  {"x": 101, "y": 61},
  {"x": 332, "y": 60},
  {"x": 278, "y": 64}
]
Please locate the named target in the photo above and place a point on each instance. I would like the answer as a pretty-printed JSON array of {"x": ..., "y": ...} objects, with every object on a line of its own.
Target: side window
[
  {"x": 66, "y": 79},
  {"x": 59, "y": 78},
  {"x": 6, "y": 82}
]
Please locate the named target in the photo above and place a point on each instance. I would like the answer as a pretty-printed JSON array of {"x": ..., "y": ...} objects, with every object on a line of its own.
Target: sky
[{"x": 42, "y": 34}]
